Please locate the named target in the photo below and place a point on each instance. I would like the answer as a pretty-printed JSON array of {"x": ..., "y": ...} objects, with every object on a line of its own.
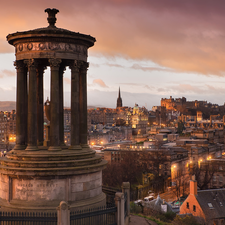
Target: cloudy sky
[{"x": 150, "y": 49}]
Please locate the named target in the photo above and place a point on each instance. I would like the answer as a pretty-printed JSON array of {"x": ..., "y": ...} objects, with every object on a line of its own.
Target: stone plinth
[{"x": 33, "y": 181}]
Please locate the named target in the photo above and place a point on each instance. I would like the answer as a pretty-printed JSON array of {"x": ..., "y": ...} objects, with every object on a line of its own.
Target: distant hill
[
  {"x": 10, "y": 105},
  {"x": 7, "y": 105}
]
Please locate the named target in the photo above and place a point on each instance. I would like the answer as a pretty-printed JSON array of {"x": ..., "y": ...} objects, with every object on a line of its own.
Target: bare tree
[
  {"x": 181, "y": 182},
  {"x": 203, "y": 174}
]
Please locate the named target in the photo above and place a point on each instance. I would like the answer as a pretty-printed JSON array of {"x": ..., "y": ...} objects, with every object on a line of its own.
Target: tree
[
  {"x": 128, "y": 170},
  {"x": 181, "y": 182},
  {"x": 132, "y": 166},
  {"x": 120, "y": 122},
  {"x": 180, "y": 127},
  {"x": 203, "y": 174}
]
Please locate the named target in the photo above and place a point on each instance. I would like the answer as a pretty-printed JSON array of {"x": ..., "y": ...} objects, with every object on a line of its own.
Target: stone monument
[{"x": 38, "y": 177}]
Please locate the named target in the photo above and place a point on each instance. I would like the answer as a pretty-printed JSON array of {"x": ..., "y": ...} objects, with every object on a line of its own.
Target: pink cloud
[
  {"x": 100, "y": 83},
  {"x": 9, "y": 73},
  {"x": 186, "y": 36},
  {"x": 67, "y": 80}
]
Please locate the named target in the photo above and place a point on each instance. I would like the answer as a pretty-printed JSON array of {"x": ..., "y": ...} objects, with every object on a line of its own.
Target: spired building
[
  {"x": 119, "y": 100},
  {"x": 38, "y": 177}
]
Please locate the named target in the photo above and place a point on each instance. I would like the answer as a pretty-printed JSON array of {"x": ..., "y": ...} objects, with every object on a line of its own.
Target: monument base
[{"x": 40, "y": 180}]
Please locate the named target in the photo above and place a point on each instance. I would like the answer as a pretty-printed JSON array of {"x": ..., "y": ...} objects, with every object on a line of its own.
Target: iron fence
[
  {"x": 28, "y": 218},
  {"x": 125, "y": 205},
  {"x": 101, "y": 215}
]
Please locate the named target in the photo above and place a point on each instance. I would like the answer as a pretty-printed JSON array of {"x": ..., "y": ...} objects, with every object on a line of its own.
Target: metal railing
[
  {"x": 24, "y": 218},
  {"x": 125, "y": 205},
  {"x": 101, "y": 215}
]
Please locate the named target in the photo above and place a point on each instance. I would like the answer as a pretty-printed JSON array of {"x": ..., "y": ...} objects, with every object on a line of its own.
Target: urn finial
[{"x": 51, "y": 16}]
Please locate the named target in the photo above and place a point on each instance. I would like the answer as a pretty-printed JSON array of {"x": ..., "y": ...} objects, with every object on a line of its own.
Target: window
[
  {"x": 210, "y": 205},
  {"x": 187, "y": 205},
  {"x": 194, "y": 208}
]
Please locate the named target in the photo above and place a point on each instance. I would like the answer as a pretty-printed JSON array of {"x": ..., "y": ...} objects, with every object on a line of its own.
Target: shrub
[
  {"x": 134, "y": 208},
  {"x": 166, "y": 217},
  {"x": 187, "y": 220}
]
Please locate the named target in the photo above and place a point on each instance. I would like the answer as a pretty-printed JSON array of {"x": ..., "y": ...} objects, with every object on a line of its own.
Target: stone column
[
  {"x": 61, "y": 106},
  {"x": 40, "y": 105},
  {"x": 21, "y": 107},
  {"x": 54, "y": 121},
  {"x": 63, "y": 214},
  {"x": 75, "y": 120},
  {"x": 32, "y": 105},
  {"x": 83, "y": 104},
  {"x": 126, "y": 192},
  {"x": 119, "y": 202}
]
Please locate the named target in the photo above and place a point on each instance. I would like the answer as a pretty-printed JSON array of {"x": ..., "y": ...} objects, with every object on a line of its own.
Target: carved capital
[
  {"x": 20, "y": 66},
  {"x": 84, "y": 66},
  {"x": 31, "y": 64},
  {"x": 54, "y": 63},
  {"x": 75, "y": 65}
]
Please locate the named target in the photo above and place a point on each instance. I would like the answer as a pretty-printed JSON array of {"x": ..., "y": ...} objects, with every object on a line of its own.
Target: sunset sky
[{"x": 152, "y": 49}]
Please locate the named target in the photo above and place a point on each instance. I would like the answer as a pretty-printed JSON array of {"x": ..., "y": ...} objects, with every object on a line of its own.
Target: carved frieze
[
  {"x": 29, "y": 46},
  {"x": 51, "y": 46}
]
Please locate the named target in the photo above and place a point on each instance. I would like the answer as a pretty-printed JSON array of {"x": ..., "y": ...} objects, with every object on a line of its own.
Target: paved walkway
[{"x": 137, "y": 220}]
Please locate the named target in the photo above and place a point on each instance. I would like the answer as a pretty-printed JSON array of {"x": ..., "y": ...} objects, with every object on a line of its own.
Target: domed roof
[{"x": 51, "y": 31}]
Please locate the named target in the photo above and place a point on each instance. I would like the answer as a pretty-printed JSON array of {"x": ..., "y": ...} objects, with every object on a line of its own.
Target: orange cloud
[{"x": 186, "y": 36}]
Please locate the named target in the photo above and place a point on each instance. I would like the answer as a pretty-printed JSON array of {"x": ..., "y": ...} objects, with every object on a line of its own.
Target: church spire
[{"x": 119, "y": 100}]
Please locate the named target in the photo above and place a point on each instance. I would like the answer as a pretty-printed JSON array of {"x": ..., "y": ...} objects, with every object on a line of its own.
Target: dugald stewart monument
[{"x": 38, "y": 174}]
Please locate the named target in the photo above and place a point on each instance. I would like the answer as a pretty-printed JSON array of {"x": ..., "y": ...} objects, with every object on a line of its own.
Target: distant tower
[{"x": 119, "y": 100}]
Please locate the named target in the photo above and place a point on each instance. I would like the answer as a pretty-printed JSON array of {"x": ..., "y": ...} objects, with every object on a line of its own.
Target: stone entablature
[{"x": 50, "y": 50}]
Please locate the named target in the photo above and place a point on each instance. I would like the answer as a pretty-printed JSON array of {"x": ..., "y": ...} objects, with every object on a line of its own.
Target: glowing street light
[{"x": 199, "y": 162}]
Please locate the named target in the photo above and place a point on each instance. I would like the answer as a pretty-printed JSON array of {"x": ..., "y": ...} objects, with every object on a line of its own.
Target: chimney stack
[{"x": 193, "y": 186}]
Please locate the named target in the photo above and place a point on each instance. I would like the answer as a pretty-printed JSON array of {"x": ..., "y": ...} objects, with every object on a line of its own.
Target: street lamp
[{"x": 199, "y": 162}]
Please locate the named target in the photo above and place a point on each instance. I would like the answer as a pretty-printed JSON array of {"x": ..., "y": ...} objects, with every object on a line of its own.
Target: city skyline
[{"x": 151, "y": 49}]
